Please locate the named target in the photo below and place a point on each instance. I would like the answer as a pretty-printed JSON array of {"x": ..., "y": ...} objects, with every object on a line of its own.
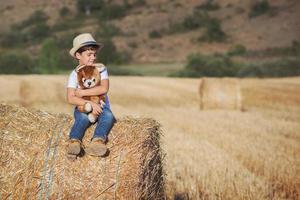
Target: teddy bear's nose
[{"x": 89, "y": 83}]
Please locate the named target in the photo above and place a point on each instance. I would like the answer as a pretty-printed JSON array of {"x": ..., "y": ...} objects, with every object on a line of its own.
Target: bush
[
  {"x": 33, "y": 29},
  {"x": 213, "y": 32},
  {"x": 67, "y": 24},
  {"x": 281, "y": 68},
  {"x": 175, "y": 28},
  {"x": 259, "y": 8},
  {"x": 107, "y": 30},
  {"x": 237, "y": 50},
  {"x": 133, "y": 44},
  {"x": 109, "y": 12},
  {"x": 221, "y": 65},
  {"x": 64, "y": 11},
  {"x": 36, "y": 18},
  {"x": 197, "y": 20},
  {"x": 48, "y": 59},
  {"x": 216, "y": 65},
  {"x": 12, "y": 39},
  {"x": 119, "y": 71},
  {"x": 200, "y": 19},
  {"x": 12, "y": 63},
  {"x": 208, "y": 6},
  {"x": 63, "y": 44},
  {"x": 155, "y": 34},
  {"x": 295, "y": 48},
  {"x": 109, "y": 54},
  {"x": 66, "y": 40},
  {"x": 38, "y": 32},
  {"x": 133, "y": 4},
  {"x": 185, "y": 73},
  {"x": 66, "y": 62}
]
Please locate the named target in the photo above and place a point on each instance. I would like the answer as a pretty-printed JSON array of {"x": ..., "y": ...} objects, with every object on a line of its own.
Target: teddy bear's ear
[
  {"x": 79, "y": 67},
  {"x": 79, "y": 78},
  {"x": 99, "y": 66}
]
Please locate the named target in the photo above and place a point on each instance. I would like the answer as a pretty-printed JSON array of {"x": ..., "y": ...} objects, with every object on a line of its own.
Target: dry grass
[{"x": 216, "y": 154}]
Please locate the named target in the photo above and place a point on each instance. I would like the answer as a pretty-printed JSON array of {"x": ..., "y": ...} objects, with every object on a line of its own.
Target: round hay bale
[
  {"x": 25, "y": 94},
  {"x": 10, "y": 89},
  {"x": 34, "y": 165},
  {"x": 34, "y": 92},
  {"x": 220, "y": 93}
]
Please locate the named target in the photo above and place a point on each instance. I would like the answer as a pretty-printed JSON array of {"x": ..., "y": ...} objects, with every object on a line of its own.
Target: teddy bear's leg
[
  {"x": 81, "y": 108},
  {"x": 92, "y": 118},
  {"x": 88, "y": 107}
]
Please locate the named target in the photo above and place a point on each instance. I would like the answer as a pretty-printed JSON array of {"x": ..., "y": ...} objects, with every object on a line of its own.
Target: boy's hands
[{"x": 97, "y": 108}]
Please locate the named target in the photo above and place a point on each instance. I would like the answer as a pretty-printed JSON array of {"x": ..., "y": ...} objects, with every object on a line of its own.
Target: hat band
[{"x": 89, "y": 42}]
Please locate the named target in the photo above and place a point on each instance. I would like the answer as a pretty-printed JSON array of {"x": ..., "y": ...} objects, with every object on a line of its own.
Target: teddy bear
[{"x": 88, "y": 76}]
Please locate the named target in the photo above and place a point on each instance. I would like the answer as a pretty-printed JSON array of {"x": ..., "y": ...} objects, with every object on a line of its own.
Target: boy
[{"x": 84, "y": 50}]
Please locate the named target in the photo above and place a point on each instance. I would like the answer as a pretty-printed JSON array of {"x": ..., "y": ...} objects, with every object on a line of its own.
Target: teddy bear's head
[{"x": 88, "y": 77}]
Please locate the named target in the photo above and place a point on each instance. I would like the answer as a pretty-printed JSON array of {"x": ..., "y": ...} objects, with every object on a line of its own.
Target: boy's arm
[
  {"x": 73, "y": 99},
  {"x": 98, "y": 90}
]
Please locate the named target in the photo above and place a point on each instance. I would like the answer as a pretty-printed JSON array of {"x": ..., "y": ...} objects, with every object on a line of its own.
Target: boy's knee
[
  {"x": 83, "y": 118},
  {"x": 108, "y": 115}
]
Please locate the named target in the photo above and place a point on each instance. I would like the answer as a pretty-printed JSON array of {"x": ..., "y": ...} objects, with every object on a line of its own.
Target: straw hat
[{"x": 82, "y": 40}]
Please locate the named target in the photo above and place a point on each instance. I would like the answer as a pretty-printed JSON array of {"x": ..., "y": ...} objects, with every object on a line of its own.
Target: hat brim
[{"x": 74, "y": 49}]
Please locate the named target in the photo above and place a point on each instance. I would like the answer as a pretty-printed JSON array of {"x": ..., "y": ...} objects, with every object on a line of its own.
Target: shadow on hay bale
[
  {"x": 34, "y": 165},
  {"x": 220, "y": 93}
]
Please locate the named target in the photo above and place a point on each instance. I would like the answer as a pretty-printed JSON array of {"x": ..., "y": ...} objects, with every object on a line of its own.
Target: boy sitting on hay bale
[{"x": 84, "y": 50}]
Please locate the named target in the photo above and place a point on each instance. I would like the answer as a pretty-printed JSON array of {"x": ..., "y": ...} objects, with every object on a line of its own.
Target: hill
[{"x": 160, "y": 30}]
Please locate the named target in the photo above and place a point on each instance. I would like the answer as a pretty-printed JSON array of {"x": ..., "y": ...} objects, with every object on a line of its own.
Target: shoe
[
  {"x": 97, "y": 147},
  {"x": 73, "y": 147}
]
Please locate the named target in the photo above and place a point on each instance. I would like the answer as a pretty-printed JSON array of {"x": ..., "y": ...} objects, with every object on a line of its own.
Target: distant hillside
[{"x": 168, "y": 30}]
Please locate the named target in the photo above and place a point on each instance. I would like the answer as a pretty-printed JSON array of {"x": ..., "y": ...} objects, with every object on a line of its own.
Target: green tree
[
  {"x": 64, "y": 11},
  {"x": 12, "y": 63},
  {"x": 211, "y": 65},
  {"x": 38, "y": 32},
  {"x": 214, "y": 32},
  {"x": 48, "y": 60},
  {"x": 109, "y": 54}
]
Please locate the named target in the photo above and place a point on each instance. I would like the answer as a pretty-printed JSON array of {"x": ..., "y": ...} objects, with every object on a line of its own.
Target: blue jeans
[{"x": 105, "y": 122}]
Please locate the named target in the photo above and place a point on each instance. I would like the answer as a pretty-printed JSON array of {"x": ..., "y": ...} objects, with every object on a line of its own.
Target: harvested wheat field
[
  {"x": 209, "y": 154},
  {"x": 34, "y": 164}
]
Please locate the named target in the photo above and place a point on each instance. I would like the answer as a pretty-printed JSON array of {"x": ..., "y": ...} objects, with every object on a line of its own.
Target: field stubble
[{"x": 212, "y": 154}]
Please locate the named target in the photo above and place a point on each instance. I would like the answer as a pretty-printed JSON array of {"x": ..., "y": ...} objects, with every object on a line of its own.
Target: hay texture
[
  {"x": 220, "y": 93},
  {"x": 33, "y": 162}
]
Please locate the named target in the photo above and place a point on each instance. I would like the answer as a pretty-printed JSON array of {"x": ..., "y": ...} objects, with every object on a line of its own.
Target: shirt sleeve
[
  {"x": 72, "y": 82},
  {"x": 104, "y": 74}
]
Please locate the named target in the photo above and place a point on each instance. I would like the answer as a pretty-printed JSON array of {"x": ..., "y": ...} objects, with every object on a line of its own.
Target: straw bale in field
[
  {"x": 39, "y": 91},
  {"x": 34, "y": 165},
  {"x": 220, "y": 93}
]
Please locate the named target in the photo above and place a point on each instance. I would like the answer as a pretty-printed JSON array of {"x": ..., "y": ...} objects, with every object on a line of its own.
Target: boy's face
[{"x": 87, "y": 57}]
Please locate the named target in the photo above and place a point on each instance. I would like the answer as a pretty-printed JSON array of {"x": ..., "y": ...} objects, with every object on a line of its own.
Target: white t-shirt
[{"x": 73, "y": 82}]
